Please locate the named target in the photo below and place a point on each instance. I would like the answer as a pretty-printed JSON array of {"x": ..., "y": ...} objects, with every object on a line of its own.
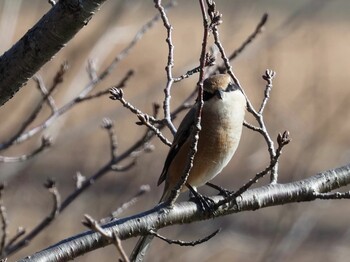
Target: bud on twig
[{"x": 283, "y": 139}]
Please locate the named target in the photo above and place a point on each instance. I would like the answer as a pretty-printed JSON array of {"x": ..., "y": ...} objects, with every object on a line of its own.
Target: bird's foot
[
  {"x": 222, "y": 191},
  {"x": 206, "y": 204}
]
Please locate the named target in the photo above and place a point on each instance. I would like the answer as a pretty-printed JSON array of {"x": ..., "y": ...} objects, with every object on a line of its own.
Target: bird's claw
[
  {"x": 222, "y": 191},
  {"x": 206, "y": 204}
]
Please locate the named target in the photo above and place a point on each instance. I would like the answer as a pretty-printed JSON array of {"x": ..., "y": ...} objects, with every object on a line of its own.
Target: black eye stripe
[
  {"x": 231, "y": 87},
  {"x": 207, "y": 95}
]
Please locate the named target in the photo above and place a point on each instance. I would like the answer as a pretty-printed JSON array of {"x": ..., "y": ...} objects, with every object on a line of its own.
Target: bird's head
[{"x": 217, "y": 85}]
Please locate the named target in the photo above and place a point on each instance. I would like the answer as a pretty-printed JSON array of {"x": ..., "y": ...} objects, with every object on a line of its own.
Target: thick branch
[
  {"x": 188, "y": 212},
  {"x": 42, "y": 42}
]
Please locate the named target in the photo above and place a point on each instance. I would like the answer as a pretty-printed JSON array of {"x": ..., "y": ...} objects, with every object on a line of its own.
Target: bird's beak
[{"x": 220, "y": 94}]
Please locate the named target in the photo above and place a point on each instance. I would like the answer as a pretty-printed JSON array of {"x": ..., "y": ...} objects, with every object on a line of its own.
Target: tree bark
[
  {"x": 42, "y": 42},
  {"x": 188, "y": 212}
]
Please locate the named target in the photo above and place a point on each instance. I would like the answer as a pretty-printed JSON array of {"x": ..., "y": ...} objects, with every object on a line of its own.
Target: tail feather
[{"x": 139, "y": 252}]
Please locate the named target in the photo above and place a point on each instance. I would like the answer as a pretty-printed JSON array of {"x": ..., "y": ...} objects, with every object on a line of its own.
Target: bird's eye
[{"x": 231, "y": 87}]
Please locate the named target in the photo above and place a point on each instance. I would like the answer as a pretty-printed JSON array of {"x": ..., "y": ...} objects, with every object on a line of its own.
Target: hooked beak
[{"x": 220, "y": 94}]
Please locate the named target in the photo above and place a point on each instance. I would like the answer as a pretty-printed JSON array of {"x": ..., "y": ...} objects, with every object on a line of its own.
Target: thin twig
[
  {"x": 258, "y": 29},
  {"x": 41, "y": 86},
  {"x": 108, "y": 125},
  {"x": 20, "y": 232},
  {"x": 185, "y": 243},
  {"x": 121, "y": 84},
  {"x": 169, "y": 66},
  {"x": 51, "y": 187},
  {"x": 187, "y": 74},
  {"x": 124, "y": 168},
  {"x": 268, "y": 77},
  {"x": 118, "y": 245},
  {"x": 45, "y": 143},
  {"x": 252, "y": 127},
  {"x": 209, "y": 61},
  {"x": 91, "y": 70},
  {"x": 112, "y": 238},
  {"x": 92, "y": 224},
  {"x": 118, "y": 94},
  {"x": 145, "y": 120},
  {"x": 143, "y": 190}
]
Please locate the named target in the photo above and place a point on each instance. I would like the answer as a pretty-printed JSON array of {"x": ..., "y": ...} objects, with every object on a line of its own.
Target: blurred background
[{"x": 306, "y": 42}]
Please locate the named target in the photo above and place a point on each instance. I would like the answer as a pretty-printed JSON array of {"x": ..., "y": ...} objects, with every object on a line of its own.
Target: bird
[{"x": 221, "y": 127}]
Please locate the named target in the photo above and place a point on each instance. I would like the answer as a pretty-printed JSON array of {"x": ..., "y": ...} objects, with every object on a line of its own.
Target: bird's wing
[{"x": 182, "y": 134}]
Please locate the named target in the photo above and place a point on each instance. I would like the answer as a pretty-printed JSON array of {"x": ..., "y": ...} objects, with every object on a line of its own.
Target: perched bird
[{"x": 222, "y": 122}]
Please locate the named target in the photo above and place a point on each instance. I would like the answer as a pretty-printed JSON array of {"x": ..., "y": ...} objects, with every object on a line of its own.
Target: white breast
[{"x": 222, "y": 122}]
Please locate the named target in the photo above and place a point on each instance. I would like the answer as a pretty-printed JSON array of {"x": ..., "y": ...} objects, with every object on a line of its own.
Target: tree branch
[
  {"x": 184, "y": 243},
  {"x": 188, "y": 212},
  {"x": 42, "y": 42}
]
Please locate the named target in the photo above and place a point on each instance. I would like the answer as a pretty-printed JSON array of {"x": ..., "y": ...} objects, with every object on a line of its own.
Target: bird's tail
[
  {"x": 140, "y": 250},
  {"x": 142, "y": 246}
]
